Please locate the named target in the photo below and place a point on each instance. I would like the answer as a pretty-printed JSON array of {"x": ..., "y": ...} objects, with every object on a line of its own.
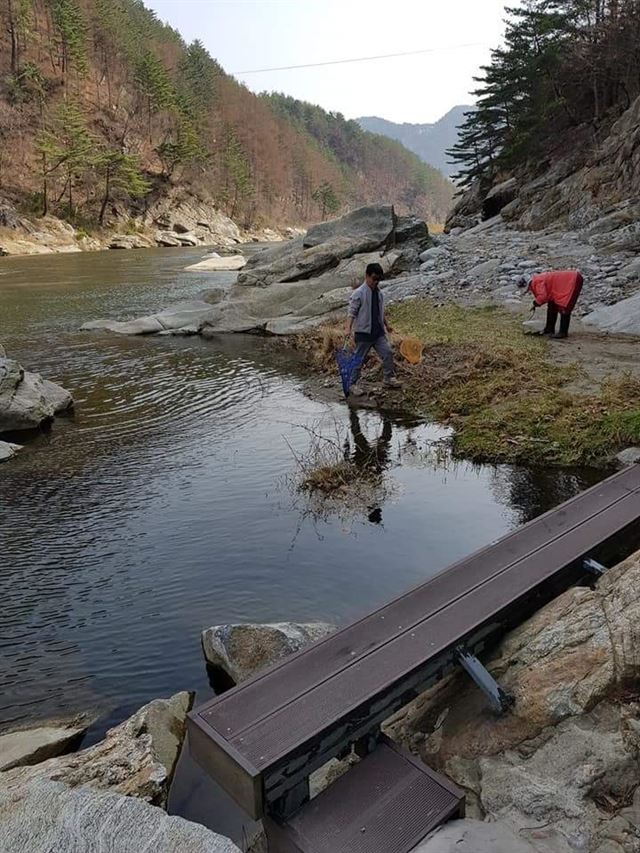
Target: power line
[{"x": 359, "y": 59}]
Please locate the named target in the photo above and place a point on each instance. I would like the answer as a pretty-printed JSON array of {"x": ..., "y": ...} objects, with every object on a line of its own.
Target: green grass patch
[{"x": 505, "y": 398}]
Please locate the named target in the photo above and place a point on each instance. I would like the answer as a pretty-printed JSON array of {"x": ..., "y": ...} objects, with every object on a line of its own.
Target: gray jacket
[{"x": 360, "y": 308}]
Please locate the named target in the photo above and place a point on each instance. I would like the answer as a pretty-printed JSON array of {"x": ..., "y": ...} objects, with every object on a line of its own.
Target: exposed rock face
[
  {"x": 498, "y": 197},
  {"x": 183, "y": 216},
  {"x": 561, "y": 769},
  {"x": 8, "y": 451},
  {"x": 136, "y": 758},
  {"x": 130, "y": 241},
  {"x": 168, "y": 239},
  {"x": 26, "y": 399},
  {"x": 50, "y": 816},
  {"x": 30, "y": 746},
  {"x": 243, "y": 650}
]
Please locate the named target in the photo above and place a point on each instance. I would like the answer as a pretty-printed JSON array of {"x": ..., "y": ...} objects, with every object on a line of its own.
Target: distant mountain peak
[{"x": 428, "y": 141}]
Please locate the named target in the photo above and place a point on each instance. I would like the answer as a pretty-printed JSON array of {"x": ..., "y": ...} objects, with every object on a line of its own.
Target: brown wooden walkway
[{"x": 263, "y": 738}]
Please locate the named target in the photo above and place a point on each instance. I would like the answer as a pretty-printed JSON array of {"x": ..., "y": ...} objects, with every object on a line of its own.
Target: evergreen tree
[
  {"x": 121, "y": 175},
  {"x": 71, "y": 29},
  {"x": 326, "y": 198}
]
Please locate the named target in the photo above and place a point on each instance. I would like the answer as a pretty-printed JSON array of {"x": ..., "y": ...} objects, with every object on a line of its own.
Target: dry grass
[{"x": 499, "y": 390}]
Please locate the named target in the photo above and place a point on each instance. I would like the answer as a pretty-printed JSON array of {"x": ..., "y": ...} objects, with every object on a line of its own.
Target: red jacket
[{"x": 562, "y": 287}]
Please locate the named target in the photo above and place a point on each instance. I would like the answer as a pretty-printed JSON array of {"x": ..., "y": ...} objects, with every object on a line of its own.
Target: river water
[{"x": 165, "y": 505}]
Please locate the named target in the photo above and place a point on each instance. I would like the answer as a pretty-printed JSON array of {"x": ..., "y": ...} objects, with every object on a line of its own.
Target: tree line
[
  {"x": 112, "y": 108},
  {"x": 564, "y": 64}
]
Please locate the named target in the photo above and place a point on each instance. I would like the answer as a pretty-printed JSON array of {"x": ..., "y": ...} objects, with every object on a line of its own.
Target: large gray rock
[
  {"x": 287, "y": 307},
  {"x": 623, "y": 318},
  {"x": 374, "y": 224},
  {"x": 136, "y": 758},
  {"x": 176, "y": 214},
  {"x": 8, "y": 450},
  {"x": 215, "y": 264},
  {"x": 561, "y": 768},
  {"x": 30, "y": 746},
  {"x": 183, "y": 314},
  {"x": 243, "y": 650},
  {"x": 167, "y": 239},
  {"x": 473, "y": 836},
  {"x": 26, "y": 399},
  {"x": 49, "y": 816},
  {"x": 628, "y": 456}
]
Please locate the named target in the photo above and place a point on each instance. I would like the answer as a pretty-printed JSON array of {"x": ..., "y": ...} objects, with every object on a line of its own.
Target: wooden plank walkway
[{"x": 265, "y": 736}]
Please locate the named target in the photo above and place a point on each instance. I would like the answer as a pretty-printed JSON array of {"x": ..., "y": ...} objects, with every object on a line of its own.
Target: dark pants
[
  {"x": 381, "y": 346},
  {"x": 552, "y": 316}
]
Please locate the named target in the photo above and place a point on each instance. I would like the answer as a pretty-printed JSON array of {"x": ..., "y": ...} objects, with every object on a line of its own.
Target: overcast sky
[{"x": 254, "y": 34}]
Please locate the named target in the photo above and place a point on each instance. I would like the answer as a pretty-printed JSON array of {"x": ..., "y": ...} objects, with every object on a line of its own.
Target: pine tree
[
  {"x": 121, "y": 175},
  {"x": 325, "y": 196},
  {"x": 71, "y": 29}
]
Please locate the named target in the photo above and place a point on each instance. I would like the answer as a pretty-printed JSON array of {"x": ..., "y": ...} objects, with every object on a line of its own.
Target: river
[{"x": 165, "y": 505}]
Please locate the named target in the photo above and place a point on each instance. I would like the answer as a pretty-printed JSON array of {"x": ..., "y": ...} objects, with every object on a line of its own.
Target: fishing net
[
  {"x": 411, "y": 350},
  {"x": 347, "y": 362}
]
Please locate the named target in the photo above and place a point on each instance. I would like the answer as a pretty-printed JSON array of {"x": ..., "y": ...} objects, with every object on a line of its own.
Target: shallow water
[{"x": 164, "y": 504}]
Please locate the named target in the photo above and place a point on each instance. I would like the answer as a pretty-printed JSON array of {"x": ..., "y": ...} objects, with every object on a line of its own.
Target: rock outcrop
[
  {"x": 299, "y": 283},
  {"x": 106, "y": 797},
  {"x": 26, "y": 399},
  {"x": 621, "y": 318},
  {"x": 242, "y": 650},
  {"x": 562, "y": 769},
  {"x": 31, "y": 746},
  {"x": 136, "y": 758},
  {"x": 53, "y": 817}
]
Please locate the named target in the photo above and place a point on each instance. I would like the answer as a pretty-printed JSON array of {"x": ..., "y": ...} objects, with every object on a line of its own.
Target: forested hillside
[
  {"x": 429, "y": 141},
  {"x": 104, "y": 110}
]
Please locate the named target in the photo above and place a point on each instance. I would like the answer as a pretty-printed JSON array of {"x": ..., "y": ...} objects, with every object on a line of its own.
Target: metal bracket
[
  {"x": 499, "y": 699},
  {"x": 288, "y": 803},
  {"x": 593, "y": 567}
]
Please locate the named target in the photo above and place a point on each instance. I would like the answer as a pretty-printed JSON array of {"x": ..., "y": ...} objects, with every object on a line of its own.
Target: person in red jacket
[{"x": 559, "y": 290}]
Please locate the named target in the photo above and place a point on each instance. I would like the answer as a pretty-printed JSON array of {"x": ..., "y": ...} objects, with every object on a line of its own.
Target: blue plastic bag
[{"x": 347, "y": 362}]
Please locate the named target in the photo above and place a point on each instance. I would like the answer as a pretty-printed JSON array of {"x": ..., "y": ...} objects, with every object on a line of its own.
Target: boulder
[
  {"x": 561, "y": 767},
  {"x": 243, "y": 650},
  {"x": 26, "y": 399},
  {"x": 622, "y": 318},
  {"x": 485, "y": 269},
  {"x": 177, "y": 214},
  {"x": 136, "y": 758},
  {"x": 371, "y": 227},
  {"x": 474, "y": 836},
  {"x": 166, "y": 238},
  {"x": 30, "y": 746},
  {"x": 215, "y": 264},
  {"x": 129, "y": 241},
  {"x": 288, "y": 307},
  {"x": 411, "y": 228},
  {"x": 188, "y": 239},
  {"x": 49, "y": 816},
  {"x": 8, "y": 451}
]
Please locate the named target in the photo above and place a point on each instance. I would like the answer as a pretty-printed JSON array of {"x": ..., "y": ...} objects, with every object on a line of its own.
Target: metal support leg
[
  {"x": 292, "y": 800},
  {"x": 593, "y": 567},
  {"x": 366, "y": 744},
  {"x": 500, "y": 700}
]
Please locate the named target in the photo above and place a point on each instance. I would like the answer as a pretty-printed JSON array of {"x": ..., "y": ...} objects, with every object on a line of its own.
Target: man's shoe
[
  {"x": 559, "y": 336},
  {"x": 392, "y": 383},
  {"x": 356, "y": 391}
]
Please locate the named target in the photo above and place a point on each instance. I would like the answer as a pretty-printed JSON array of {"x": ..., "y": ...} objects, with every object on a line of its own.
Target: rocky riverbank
[{"x": 170, "y": 223}]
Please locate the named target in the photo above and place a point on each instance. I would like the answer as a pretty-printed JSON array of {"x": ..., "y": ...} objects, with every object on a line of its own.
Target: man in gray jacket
[{"x": 369, "y": 326}]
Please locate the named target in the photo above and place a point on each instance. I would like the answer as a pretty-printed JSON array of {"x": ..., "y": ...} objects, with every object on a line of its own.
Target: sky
[{"x": 254, "y": 34}]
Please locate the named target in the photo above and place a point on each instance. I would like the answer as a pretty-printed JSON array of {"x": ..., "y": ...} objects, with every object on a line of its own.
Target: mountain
[
  {"x": 105, "y": 112},
  {"x": 428, "y": 141}
]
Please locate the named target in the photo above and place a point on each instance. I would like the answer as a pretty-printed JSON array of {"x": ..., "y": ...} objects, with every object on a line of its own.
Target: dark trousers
[{"x": 552, "y": 317}]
